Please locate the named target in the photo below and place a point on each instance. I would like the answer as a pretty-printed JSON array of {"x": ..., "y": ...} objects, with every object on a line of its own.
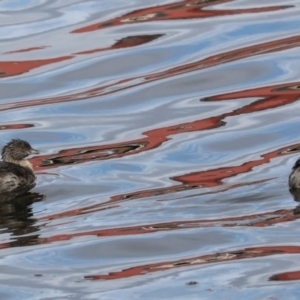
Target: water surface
[{"x": 167, "y": 132}]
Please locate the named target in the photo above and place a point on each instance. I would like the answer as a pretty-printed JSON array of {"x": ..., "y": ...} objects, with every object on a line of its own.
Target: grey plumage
[
  {"x": 16, "y": 173},
  {"x": 294, "y": 178}
]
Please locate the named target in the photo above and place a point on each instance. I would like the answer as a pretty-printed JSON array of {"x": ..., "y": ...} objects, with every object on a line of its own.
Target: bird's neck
[{"x": 23, "y": 163}]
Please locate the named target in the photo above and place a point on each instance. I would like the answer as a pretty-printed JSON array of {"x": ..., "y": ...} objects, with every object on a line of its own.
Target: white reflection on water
[{"x": 70, "y": 15}]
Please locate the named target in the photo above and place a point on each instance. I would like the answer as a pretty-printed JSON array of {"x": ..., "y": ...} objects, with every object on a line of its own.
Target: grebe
[
  {"x": 294, "y": 179},
  {"x": 16, "y": 172}
]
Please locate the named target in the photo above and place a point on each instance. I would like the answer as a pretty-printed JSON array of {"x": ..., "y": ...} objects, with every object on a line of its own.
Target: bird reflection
[
  {"x": 296, "y": 195},
  {"x": 16, "y": 217}
]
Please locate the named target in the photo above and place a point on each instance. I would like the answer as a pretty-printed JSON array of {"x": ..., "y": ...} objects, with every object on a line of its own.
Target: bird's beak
[{"x": 34, "y": 151}]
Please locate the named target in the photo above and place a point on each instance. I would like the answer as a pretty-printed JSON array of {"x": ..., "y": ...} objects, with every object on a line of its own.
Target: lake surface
[{"x": 167, "y": 132}]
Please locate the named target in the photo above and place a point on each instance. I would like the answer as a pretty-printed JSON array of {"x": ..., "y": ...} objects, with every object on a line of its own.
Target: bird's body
[
  {"x": 16, "y": 173},
  {"x": 294, "y": 179}
]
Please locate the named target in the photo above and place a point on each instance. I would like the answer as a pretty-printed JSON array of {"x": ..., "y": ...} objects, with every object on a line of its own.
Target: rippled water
[{"x": 167, "y": 132}]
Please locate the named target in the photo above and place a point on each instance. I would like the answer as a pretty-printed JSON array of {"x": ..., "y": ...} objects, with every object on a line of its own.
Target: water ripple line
[
  {"x": 236, "y": 255},
  {"x": 188, "y": 9}
]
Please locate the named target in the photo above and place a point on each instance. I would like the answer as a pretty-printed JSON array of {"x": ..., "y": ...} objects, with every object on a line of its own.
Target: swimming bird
[
  {"x": 16, "y": 172},
  {"x": 294, "y": 179}
]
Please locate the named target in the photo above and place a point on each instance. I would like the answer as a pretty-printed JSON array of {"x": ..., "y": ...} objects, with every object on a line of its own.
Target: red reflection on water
[
  {"x": 26, "y": 50},
  {"x": 275, "y": 46},
  {"x": 129, "y": 41},
  {"x": 273, "y": 96},
  {"x": 215, "y": 177},
  {"x": 270, "y": 97},
  {"x": 188, "y": 9},
  {"x": 256, "y": 220},
  {"x": 200, "y": 179},
  {"x": 295, "y": 275},
  {"x": 200, "y": 260},
  {"x": 11, "y": 68},
  {"x": 77, "y": 212},
  {"x": 13, "y": 218},
  {"x": 15, "y": 126},
  {"x": 233, "y": 55}
]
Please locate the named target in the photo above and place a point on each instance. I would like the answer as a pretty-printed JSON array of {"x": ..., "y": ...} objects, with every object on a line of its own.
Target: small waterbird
[
  {"x": 294, "y": 178},
  {"x": 16, "y": 172}
]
